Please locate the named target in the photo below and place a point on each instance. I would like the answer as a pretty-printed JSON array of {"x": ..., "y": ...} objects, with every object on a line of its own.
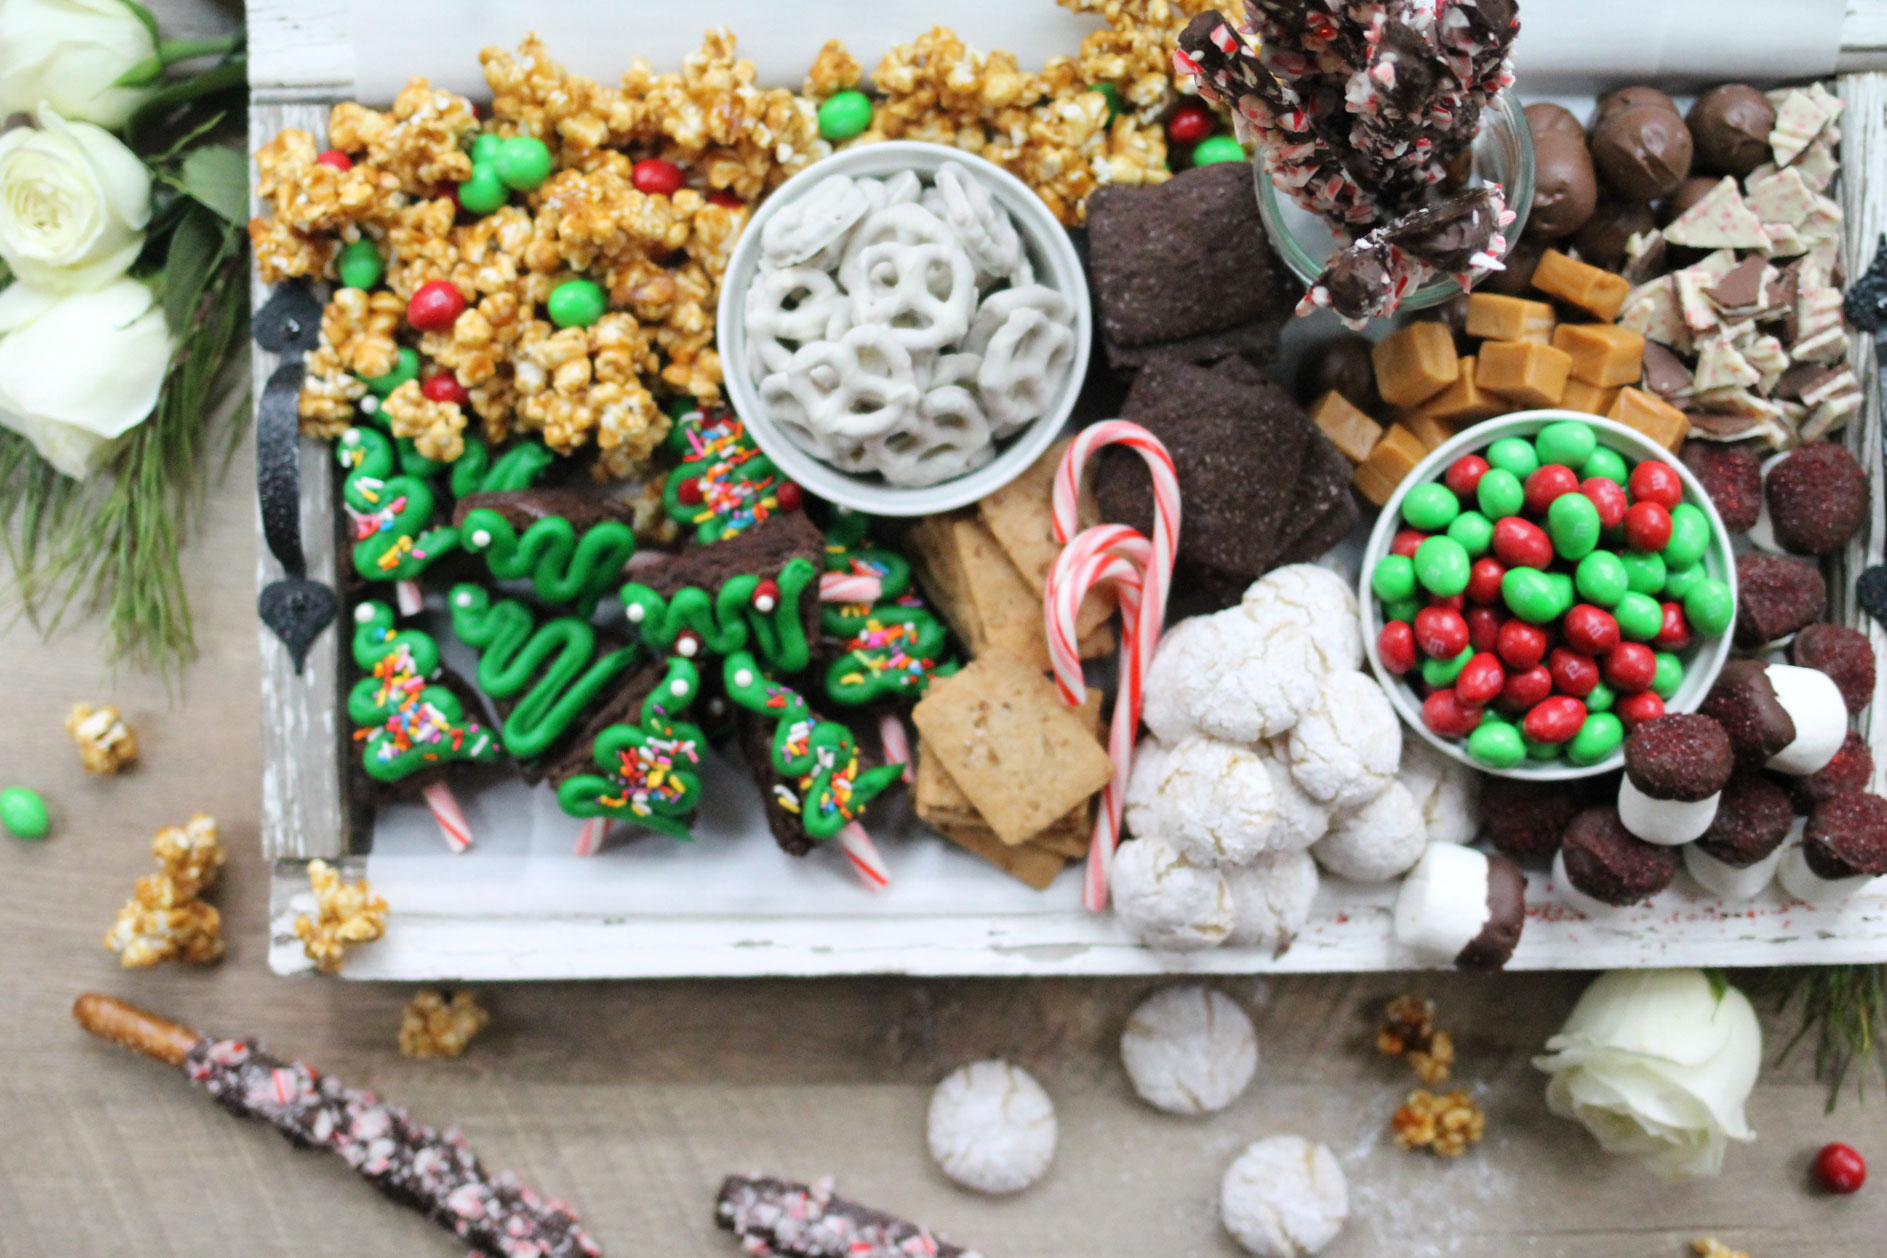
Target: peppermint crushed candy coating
[{"x": 792, "y": 1220}]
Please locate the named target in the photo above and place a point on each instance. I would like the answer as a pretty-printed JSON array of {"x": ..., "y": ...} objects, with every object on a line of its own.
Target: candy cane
[
  {"x": 590, "y": 837},
  {"x": 453, "y": 826},
  {"x": 863, "y": 853},
  {"x": 896, "y": 743},
  {"x": 847, "y": 587},
  {"x": 411, "y": 601}
]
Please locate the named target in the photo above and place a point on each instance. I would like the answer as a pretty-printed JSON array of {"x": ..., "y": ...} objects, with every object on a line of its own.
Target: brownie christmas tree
[
  {"x": 479, "y": 471},
  {"x": 407, "y": 718},
  {"x": 571, "y": 547},
  {"x": 650, "y": 771},
  {"x": 395, "y": 536},
  {"x": 725, "y": 484},
  {"x": 888, "y": 649}
]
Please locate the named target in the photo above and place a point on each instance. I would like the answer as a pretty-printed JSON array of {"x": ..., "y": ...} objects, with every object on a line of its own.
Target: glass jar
[{"x": 1503, "y": 154}]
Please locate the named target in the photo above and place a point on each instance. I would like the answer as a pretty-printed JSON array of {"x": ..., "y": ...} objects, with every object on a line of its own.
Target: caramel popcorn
[
  {"x": 191, "y": 855},
  {"x": 437, "y": 428},
  {"x": 1408, "y": 1031},
  {"x": 347, "y": 913},
  {"x": 833, "y": 71},
  {"x": 1711, "y": 1247},
  {"x": 106, "y": 744},
  {"x": 164, "y": 922},
  {"x": 437, "y": 1025},
  {"x": 1445, "y": 1125}
]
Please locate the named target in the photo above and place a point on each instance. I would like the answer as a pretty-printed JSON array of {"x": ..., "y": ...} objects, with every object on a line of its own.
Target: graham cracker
[
  {"x": 1007, "y": 609},
  {"x": 1020, "y": 756},
  {"x": 939, "y": 801},
  {"x": 1026, "y": 862},
  {"x": 1021, "y": 516},
  {"x": 939, "y": 569}
]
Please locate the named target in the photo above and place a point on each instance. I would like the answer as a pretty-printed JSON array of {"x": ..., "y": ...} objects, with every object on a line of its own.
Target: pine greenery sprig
[{"x": 1844, "y": 1007}]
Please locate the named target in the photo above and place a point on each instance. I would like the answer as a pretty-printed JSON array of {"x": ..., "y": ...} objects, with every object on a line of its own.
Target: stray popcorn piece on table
[
  {"x": 347, "y": 913},
  {"x": 191, "y": 854},
  {"x": 1408, "y": 1031},
  {"x": 437, "y": 1025},
  {"x": 1711, "y": 1247},
  {"x": 165, "y": 920},
  {"x": 106, "y": 744},
  {"x": 1443, "y": 1123}
]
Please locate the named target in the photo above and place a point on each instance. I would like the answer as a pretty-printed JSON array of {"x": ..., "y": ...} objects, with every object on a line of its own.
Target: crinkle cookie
[
  {"x": 1170, "y": 685},
  {"x": 1169, "y": 904},
  {"x": 991, "y": 1127},
  {"x": 1249, "y": 677},
  {"x": 1142, "y": 805},
  {"x": 1301, "y": 819},
  {"x": 1271, "y": 899},
  {"x": 1189, "y": 1050},
  {"x": 1346, "y": 745},
  {"x": 1376, "y": 841},
  {"x": 1447, "y": 792},
  {"x": 1284, "y": 1197},
  {"x": 1212, "y": 800},
  {"x": 1321, "y": 602}
]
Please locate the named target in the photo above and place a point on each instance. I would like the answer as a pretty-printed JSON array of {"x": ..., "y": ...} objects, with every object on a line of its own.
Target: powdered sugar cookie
[
  {"x": 1271, "y": 899},
  {"x": 1284, "y": 1197},
  {"x": 1212, "y": 800},
  {"x": 1447, "y": 792},
  {"x": 1347, "y": 743},
  {"x": 1375, "y": 841},
  {"x": 992, "y": 1127},
  {"x": 1168, "y": 903},
  {"x": 1318, "y": 600},
  {"x": 1189, "y": 1050}
]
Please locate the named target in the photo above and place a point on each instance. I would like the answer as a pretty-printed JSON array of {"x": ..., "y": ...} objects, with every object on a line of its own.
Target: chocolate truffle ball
[
  {"x": 1733, "y": 477},
  {"x": 1525, "y": 819},
  {"x": 1515, "y": 278},
  {"x": 1546, "y": 118},
  {"x": 1847, "y": 774},
  {"x": 1729, "y": 127},
  {"x": 1610, "y": 863},
  {"x": 1565, "y": 189},
  {"x": 1642, "y": 151},
  {"x": 1637, "y": 94},
  {"x": 1683, "y": 757},
  {"x": 1688, "y": 193},
  {"x": 1753, "y": 817},
  {"x": 1745, "y": 704},
  {"x": 1603, "y": 239},
  {"x": 1775, "y": 596},
  {"x": 1844, "y": 654},
  {"x": 1847, "y": 836},
  {"x": 1341, "y": 363},
  {"x": 1817, "y": 498}
]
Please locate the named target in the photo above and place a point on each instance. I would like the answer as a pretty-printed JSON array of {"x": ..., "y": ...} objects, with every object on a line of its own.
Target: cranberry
[
  {"x": 1635, "y": 710},
  {"x": 722, "y": 197},
  {"x": 1189, "y": 123},
  {"x": 1839, "y": 1167},
  {"x": 657, "y": 177},
  {"x": 1484, "y": 627},
  {"x": 1589, "y": 629},
  {"x": 1465, "y": 474},
  {"x": 336, "y": 160},
  {"x": 1526, "y": 688},
  {"x": 445, "y": 387},
  {"x": 1647, "y": 526},
  {"x": 1522, "y": 544},
  {"x": 1484, "y": 579},
  {"x": 1554, "y": 720},
  {"x": 1396, "y": 647},
  {"x": 766, "y": 596},
  {"x": 1674, "y": 633},
  {"x": 688, "y": 492},
  {"x": 1444, "y": 713},
  {"x": 1547, "y": 483},
  {"x": 435, "y": 306},
  {"x": 1573, "y": 674},
  {"x": 1608, "y": 497},
  {"x": 789, "y": 495},
  {"x": 1441, "y": 632},
  {"x": 1480, "y": 680},
  {"x": 1521, "y": 645},
  {"x": 1630, "y": 666},
  {"x": 1406, "y": 542},
  {"x": 1652, "y": 481}
]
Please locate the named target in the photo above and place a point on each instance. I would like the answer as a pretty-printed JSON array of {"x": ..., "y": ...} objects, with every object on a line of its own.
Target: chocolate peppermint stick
[
  {"x": 789, "y": 1220},
  {"x": 433, "y": 1172}
]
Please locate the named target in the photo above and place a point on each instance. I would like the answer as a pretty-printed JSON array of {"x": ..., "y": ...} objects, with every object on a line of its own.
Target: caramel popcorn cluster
[
  {"x": 166, "y": 919},
  {"x": 1444, "y": 1124},
  {"x": 106, "y": 744},
  {"x": 436, "y": 1024},
  {"x": 1711, "y": 1247},
  {"x": 346, "y": 913},
  {"x": 1408, "y": 1031}
]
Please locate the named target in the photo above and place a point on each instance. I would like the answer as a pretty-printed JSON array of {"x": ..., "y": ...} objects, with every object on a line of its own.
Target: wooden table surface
[{"x": 632, "y": 1100}]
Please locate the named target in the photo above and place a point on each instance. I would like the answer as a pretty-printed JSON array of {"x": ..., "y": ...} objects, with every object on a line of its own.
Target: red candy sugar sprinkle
[
  {"x": 688, "y": 492},
  {"x": 790, "y": 495},
  {"x": 1840, "y": 1168}
]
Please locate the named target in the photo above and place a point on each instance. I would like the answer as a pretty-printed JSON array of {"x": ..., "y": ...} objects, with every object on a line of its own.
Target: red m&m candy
[
  {"x": 1631, "y": 667},
  {"x": 1407, "y": 542},
  {"x": 1442, "y": 632},
  {"x": 1647, "y": 526},
  {"x": 1839, "y": 1168},
  {"x": 725, "y": 199},
  {"x": 1465, "y": 473},
  {"x": 657, "y": 177},
  {"x": 1673, "y": 631},
  {"x": 1590, "y": 629},
  {"x": 445, "y": 387},
  {"x": 435, "y": 306},
  {"x": 335, "y": 159},
  {"x": 1547, "y": 483},
  {"x": 1554, "y": 720},
  {"x": 1573, "y": 674},
  {"x": 1652, "y": 481},
  {"x": 1484, "y": 627},
  {"x": 1444, "y": 713},
  {"x": 789, "y": 495},
  {"x": 1396, "y": 646},
  {"x": 1189, "y": 123},
  {"x": 1520, "y": 644},
  {"x": 1634, "y": 710},
  {"x": 1480, "y": 680},
  {"x": 1522, "y": 544},
  {"x": 1608, "y": 498},
  {"x": 1484, "y": 579},
  {"x": 1526, "y": 688}
]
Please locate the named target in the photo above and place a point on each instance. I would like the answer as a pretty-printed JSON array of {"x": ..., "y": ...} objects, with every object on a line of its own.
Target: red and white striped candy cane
[
  {"x": 848, "y": 587},
  {"x": 453, "y": 827},
  {"x": 590, "y": 837},
  {"x": 863, "y": 853},
  {"x": 1107, "y": 552},
  {"x": 895, "y": 742}
]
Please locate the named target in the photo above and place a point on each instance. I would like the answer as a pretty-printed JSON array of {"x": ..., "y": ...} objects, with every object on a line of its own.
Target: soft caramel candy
[
  {"x": 1603, "y": 354},
  {"x": 1461, "y": 403},
  {"x": 1415, "y": 363},
  {"x": 1394, "y": 457},
  {"x": 1652, "y": 416},
  {"x": 1428, "y": 429},
  {"x": 1590, "y": 398},
  {"x": 1348, "y": 428},
  {"x": 1500, "y": 318},
  {"x": 1580, "y": 283},
  {"x": 1525, "y": 372}
]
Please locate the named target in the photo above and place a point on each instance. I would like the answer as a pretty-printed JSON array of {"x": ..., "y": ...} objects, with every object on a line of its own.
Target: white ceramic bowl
[
  {"x": 1700, "y": 671},
  {"x": 1056, "y": 265}
]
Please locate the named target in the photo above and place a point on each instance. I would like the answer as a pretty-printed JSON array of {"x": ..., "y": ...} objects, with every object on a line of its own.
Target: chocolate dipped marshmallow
[
  {"x": 1602, "y": 868},
  {"x": 1462, "y": 906},
  {"x": 1737, "y": 856},
  {"x": 1818, "y": 713},
  {"x": 1675, "y": 766},
  {"x": 1843, "y": 848}
]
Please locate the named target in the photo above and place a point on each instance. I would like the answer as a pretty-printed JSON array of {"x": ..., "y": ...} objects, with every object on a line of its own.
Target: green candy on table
[
  {"x": 24, "y": 813},
  {"x": 521, "y": 162},
  {"x": 1542, "y": 751},
  {"x": 844, "y": 115},
  {"x": 1601, "y": 579},
  {"x": 405, "y": 367},
  {"x": 1393, "y": 579},
  {"x": 1439, "y": 673},
  {"x": 1606, "y": 464},
  {"x": 1598, "y": 738},
  {"x": 1668, "y": 676},
  {"x": 361, "y": 266},
  {"x": 1474, "y": 531},
  {"x": 485, "y": 147},
  {"x": 1430, "y": 507},
  {"x": 650, "y": 773},
  {"x": 1111, "y": 95},
  {"x": 1515, "y": 456},
  {"x": 1640, "y": 617},
  {"x": 1500, "y": 493},
  {"x": 1568, "y": 443},
  {"x": 1572, "y": 521},
  {"x": 476, "y": 471},
  {"x": 728, "y": 619},
  {"x": 1690, "y": 536},
  {"x": 1560, "y": 584},
  {"x": 1708, "y": 605},
  {"x": 1217, "y": 148},
  {"x": 553, "y": 674},
  {"x": 563, "y": 569},
  {"x": 1644, "y": 572},
  {"x": 406, "y": 723},
  {"x": 392, "y": 512},
  {"x": 576, "y": 304},
  {"x": 1442, "y": 566},
  {"x": 1496, "y": 744},
  {"x": 484, "y": 192}
]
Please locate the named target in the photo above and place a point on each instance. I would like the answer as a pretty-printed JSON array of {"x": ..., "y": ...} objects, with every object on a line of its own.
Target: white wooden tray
[{"x": 521, "y": 907}]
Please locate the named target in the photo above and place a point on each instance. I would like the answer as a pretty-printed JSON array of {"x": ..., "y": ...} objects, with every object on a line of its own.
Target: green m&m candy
[
  {"x": 1111, "y": 95},
  {"x": 1598, "y": 738},
  {"x": 1564, "y": 592},
  {"x": 405, "y": 367},
  {"x": 1601, "y": 579},
  {"x": 1474, "y": 531},
  {"x": 360, "y": 264},
  {"x": 1709, "y": 606},
  {"x": 1515, "y": 455},
  {"x": 1639, "y": 616},
  {"x": 1678, "y": 584},
  {"x": 1690, "y": 536},
  {"x": 522, "y": 162},
  {"x": 484, "y": 192},
  {"x": 1607, "y": 464},
  {"x": 1567, "y": 442},
  {"x": 1442, "y": 566},
  {"x": 1645, "y": 572},
  {"x": 1542, "y": 751},
  {"x": 576, "y": 304},
  {"x": 844, "y": 115},
  {"x": 1402, "y": 609},
  {"x": 1669, "y": 675},
  {"x": 1439, "y": 673},
  {"x": 1393, "y": 578},
  {"x": 23, "y": 813},
  {"x": 1601, "y": 698},
  {"x": 1572, "y": 521},
  {"x": 1529, "y": 595},
  {"x": 1217, "y": 148},
  {"x": 485, "y": 147},
  {"x": 1500, "y": 493},
  {"x": 1496, "y": 744},
  {"x": 1431, "y": 507}
]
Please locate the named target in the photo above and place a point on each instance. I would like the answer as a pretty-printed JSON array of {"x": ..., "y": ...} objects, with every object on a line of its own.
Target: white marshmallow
[
  {"x": 1814, "y": 703},
  {"x": 1587, "y": 905},
  {"x": 1667, "y": 822},
  {"x": 1762, "y": 534},
  {"x": 1443, "y": 902},
  {"x": 1731, "y": 882},
  {"x": 1803, "y": 883}
]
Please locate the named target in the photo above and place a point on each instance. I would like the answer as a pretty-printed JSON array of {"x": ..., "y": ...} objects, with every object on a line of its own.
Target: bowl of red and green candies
[{"x": 1538, "y": 586}]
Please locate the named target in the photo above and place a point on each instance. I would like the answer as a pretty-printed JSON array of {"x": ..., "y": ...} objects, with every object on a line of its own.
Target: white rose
[
  {"x": 68, "y": 53},
  {"x": 79, "y": 370},
  {"x": 1656, "y": 1064},
  {"x": 73, "y": 204}
]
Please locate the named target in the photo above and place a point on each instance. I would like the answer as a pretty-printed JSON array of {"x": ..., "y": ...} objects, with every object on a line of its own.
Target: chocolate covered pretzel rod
[
  {"x": 780, "y": 1217},
  {"x": 433, "y": 1172}
]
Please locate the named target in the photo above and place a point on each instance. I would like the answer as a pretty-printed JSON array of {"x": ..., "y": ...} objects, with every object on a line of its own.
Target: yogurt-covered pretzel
[
  {"x": 947, "y": 436},
  {"x": 788, "y": 307},
  {"x": 899, "y": 189},
  {"x": 923, "y": 295},
  {"x": 983, "y": 226},
  {"x": 906, "y": 224},
  {"x": 802, "y": 230},
  {"x": 852, "y": 389},
  {"x": 998, "y": 306},
  {"x": 1023, "y": 364}
]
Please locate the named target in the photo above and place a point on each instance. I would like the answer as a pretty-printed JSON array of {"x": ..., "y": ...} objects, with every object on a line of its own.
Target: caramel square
[
  {"x": 1394, "y": 457},
  {"x": 1603, "y": 354},
  {"x": 1525, "y": 372},
  {"x": 1461, "y": 403},
  {"x": 1652, "y": 416},
  {"x": 1584, "y": 285},
  {"x": 1348, "y": 428},
  {"x": 1590, "y": 398},
  {"x": 1415, "y": 363},
  {"x": 1428, "y": 429},
  {"x": 1497, "y": 317}
]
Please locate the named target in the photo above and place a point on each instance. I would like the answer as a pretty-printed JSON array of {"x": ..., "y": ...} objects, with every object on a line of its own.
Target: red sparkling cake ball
[
  {"x": 1817, "y": 499},
  {"x": 1524, "y": 820},
  {"x": 1732, "y": 477},
  {"x": 1844, "y": 654},
  {"x": 1682, "y": 756},
  {"x": 1775, "y": 596},
  {"x": 1847, "y": 774}
]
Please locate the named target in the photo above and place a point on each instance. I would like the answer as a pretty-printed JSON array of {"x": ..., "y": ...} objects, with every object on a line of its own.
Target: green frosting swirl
[
  {"x": 727, "y": 620},
  {"x": 552, "y": 672},
  {"x": 820, "y": 757},
  {"x": 732, "y": 484},
  {"x": 891, "y": 648},
  {"x": 392, "y": 512},
  {"x": 404, "y": 724},
  {"x": 477, "y": 471},
  {"x": 562, "y": 568},
  {"x": 650, "y": 770}
]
